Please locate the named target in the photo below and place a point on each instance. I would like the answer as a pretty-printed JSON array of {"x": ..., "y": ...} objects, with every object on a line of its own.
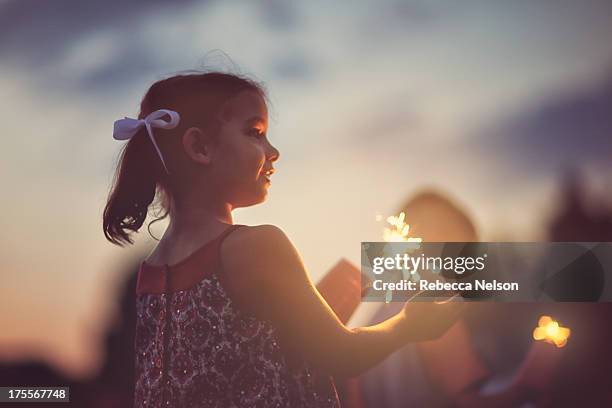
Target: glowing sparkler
[
  {"x": 549, "y": 331},
  {"x": 398, "y": 232}
]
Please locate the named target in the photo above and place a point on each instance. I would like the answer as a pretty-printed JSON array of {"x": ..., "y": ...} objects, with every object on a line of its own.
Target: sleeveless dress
[{"x": 195, "y": 348}]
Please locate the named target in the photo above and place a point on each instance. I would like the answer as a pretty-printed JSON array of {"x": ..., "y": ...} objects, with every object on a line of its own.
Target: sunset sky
[{"x": 486, "y": 102}]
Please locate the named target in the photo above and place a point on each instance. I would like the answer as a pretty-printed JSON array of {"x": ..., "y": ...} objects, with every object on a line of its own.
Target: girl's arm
[{"x": 267, "y": 277}]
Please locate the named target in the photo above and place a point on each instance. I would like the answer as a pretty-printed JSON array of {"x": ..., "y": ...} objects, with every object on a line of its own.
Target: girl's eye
[{"x": 257, "y": 133}]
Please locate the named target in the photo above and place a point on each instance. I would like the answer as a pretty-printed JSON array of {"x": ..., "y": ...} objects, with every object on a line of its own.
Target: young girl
[{"x": 226, "y": 314}]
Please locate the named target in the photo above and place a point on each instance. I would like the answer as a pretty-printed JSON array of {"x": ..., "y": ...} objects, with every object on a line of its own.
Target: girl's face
[{"x": 241, "y": 165}]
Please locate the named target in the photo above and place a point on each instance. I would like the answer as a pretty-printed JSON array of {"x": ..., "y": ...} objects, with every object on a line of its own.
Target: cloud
[
  {"x": 293, "y": 66},
  {"x": 574, "y": 130},
  {"x": 279, "y": 14},
  {"x": 77, "y": 46},
  {"x": 37, "y": 32}
]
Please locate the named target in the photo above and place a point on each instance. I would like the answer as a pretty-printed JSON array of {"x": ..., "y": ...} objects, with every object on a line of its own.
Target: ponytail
[{"x": 133, "y": 190}]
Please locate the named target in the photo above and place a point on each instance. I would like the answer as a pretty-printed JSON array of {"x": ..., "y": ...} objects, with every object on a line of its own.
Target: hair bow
[{"x": 126, "y": 128}]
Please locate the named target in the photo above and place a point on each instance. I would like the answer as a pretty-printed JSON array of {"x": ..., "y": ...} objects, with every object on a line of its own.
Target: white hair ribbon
[{"x": 126, "y": 128}]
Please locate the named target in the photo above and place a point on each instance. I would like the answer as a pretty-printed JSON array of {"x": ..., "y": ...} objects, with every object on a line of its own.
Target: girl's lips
[{"x": 266, "y": 175}]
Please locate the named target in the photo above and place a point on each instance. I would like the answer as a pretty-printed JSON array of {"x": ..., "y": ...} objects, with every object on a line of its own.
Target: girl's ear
[{"x": 198, "y": 145}]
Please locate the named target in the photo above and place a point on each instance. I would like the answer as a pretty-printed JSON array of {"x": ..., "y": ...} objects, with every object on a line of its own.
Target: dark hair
[{"x": 199, "y": 99}]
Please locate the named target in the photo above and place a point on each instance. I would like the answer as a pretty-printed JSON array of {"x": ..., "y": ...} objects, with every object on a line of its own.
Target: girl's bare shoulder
[{"x": 259, "y": 246}]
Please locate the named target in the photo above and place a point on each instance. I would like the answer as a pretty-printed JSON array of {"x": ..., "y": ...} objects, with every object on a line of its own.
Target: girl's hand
[{"x": 425, "y": 320}]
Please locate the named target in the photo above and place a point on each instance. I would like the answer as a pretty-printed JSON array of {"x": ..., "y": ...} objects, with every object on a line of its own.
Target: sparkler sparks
[
  {"x": 399, "y": 230},
  {"x": 548, "y": 330}
]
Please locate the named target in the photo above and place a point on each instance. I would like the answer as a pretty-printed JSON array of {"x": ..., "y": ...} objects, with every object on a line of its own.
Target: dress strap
[
  {"x": 227, "y": 231},
  {"x": 219, "y": 271},
  {"x": 219, "y": 240}
]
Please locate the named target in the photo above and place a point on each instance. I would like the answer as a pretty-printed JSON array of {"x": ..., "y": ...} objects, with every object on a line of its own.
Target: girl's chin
[
  {"x": 258, "y": 194},
  {"x": 257, "y": 198}
]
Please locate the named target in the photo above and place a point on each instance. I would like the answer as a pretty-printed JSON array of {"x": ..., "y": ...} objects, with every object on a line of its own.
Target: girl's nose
[{"x": 272, "y": 153}]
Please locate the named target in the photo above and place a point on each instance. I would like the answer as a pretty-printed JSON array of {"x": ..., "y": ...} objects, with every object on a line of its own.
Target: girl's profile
[{"x": 227, "y": 315}]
